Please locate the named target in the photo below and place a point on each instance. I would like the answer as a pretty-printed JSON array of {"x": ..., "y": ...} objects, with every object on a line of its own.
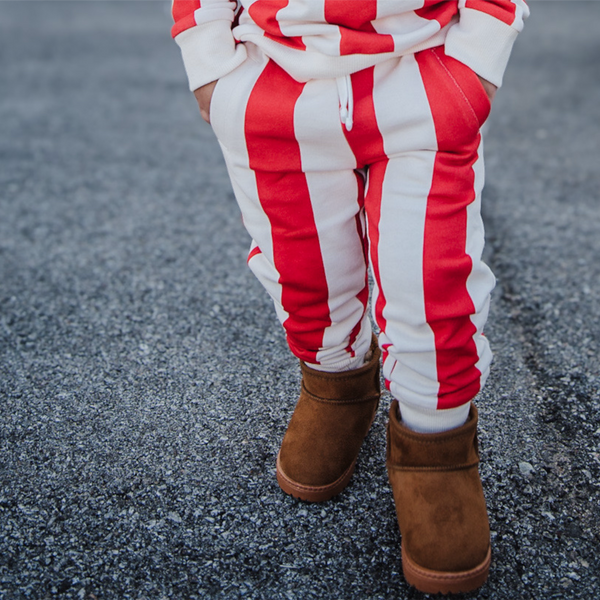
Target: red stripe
[
  {"x": 360, "y": 229},
  {"x": 183, "y": 15},
  {"x": 264, "y": 14},
  {"x": 354, "y": 16},
  {"x": 503, "y": 10},
  {"x": 363, "y": 296},
  {"x": 442, "y": 12},
  {"x": 274, "y": 155},
  {"x": 358, "y": 36},
  {"x": 365, "y": 42},
  {"x": 292, "y": 42},
  {"x": 365, "y": 139},
  {"x": 366, "y": 142},
  {"x": 183, "y": 24},
  {"x": 182, "y": 8},
  {"x": 446, "y": 266},
  {"x": 256, "y": 250},
  {"x": 373, "y": 206}
]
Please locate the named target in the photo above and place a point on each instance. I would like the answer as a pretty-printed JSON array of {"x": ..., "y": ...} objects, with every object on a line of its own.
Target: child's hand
[
  {"x": 203, "y": 97},
  {"x": 490, "y": 88}
]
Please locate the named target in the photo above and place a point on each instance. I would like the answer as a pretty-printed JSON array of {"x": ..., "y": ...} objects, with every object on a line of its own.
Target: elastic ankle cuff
[{"x": 430, "y": 420}]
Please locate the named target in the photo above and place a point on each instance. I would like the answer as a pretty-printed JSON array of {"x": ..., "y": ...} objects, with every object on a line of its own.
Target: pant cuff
[{"x": 430, "y": 420}]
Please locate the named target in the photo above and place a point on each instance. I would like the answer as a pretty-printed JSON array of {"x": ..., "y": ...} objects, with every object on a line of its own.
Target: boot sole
[
  {"x": 445, "y": 582},
  {"x": 311, "y": 493}
]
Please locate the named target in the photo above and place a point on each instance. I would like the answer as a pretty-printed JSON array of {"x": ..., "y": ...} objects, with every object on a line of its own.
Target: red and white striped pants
[{"x": 400, "y": 190}]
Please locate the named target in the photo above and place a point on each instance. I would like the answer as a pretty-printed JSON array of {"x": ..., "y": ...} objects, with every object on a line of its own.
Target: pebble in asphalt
[{"x": 145, "y": 384}]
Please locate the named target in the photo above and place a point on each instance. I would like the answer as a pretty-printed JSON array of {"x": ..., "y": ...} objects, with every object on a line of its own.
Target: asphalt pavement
[{"x": 145, "y": 384}]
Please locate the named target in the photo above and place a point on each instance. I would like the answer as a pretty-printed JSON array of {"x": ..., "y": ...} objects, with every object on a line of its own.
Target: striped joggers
[{"x": 395, "y": 183}]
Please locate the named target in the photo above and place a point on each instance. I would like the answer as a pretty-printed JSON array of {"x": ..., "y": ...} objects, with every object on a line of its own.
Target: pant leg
[
  {"x": 416, "y": 127},
  {"x": 302, "y": 203},
  {"x": 426, "y": 236}
]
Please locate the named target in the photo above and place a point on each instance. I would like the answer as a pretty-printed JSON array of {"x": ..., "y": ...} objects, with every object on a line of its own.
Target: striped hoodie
[{"x": 321, "y": 39}]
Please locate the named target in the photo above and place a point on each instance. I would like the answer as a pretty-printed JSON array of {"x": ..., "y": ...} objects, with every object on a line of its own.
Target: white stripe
[
  {"x": 213, "y": 10},
  {"x": 317, "y": 124},
  {"x": 481, "y": 281},
  {"x": 521, "y": 13},
  {"x": 229, "y": 105},
  {"x": 408, "y": 29},
  {"x": 411, "y": 364},
  {"x": 390, "y": 9},
  {"x": 402, "y": 107},
  {"x": 328, "y": 164},
  {"x": 334, "y": 202},
  {"x": 298, "y": 19}
]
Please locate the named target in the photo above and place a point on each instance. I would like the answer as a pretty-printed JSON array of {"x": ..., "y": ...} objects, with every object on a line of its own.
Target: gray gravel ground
[{"x": 145, "y": 384}]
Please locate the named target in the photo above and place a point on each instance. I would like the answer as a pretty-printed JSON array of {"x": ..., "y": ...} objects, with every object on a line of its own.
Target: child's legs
[
  {"x": 416, "y": 124},
  {"x": 426, "y": 239},
  {"x": 302, "y": 205}
]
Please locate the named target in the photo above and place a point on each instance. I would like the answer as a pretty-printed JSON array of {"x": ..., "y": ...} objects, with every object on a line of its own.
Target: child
[{"x": 351, "y": 132}]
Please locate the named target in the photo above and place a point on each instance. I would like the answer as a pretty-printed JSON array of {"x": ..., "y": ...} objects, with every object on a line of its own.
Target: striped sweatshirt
[{"x": 321, "y": 39}]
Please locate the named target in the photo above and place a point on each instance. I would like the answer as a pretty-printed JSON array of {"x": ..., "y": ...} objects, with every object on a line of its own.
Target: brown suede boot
[
  {"x": 332, "y": 417},
  {"x": 440, "y": 506}
]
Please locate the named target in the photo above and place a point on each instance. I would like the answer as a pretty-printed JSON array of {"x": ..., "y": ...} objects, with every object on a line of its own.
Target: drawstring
[{"x": 344, "y": 88}]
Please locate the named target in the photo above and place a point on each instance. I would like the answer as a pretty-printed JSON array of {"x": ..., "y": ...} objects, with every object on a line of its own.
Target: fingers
[
  {"x": 203, "y": 97},
  {"x": 490, "y": 88}
]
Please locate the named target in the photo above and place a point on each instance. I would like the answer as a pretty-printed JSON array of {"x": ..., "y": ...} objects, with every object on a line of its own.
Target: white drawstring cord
[{"x": 344, "y": 88}]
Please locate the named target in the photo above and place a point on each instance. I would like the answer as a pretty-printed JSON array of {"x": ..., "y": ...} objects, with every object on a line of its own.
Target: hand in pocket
[
  {"x": 490, "y": 88},
  {"x": 203, "y": 97}
]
